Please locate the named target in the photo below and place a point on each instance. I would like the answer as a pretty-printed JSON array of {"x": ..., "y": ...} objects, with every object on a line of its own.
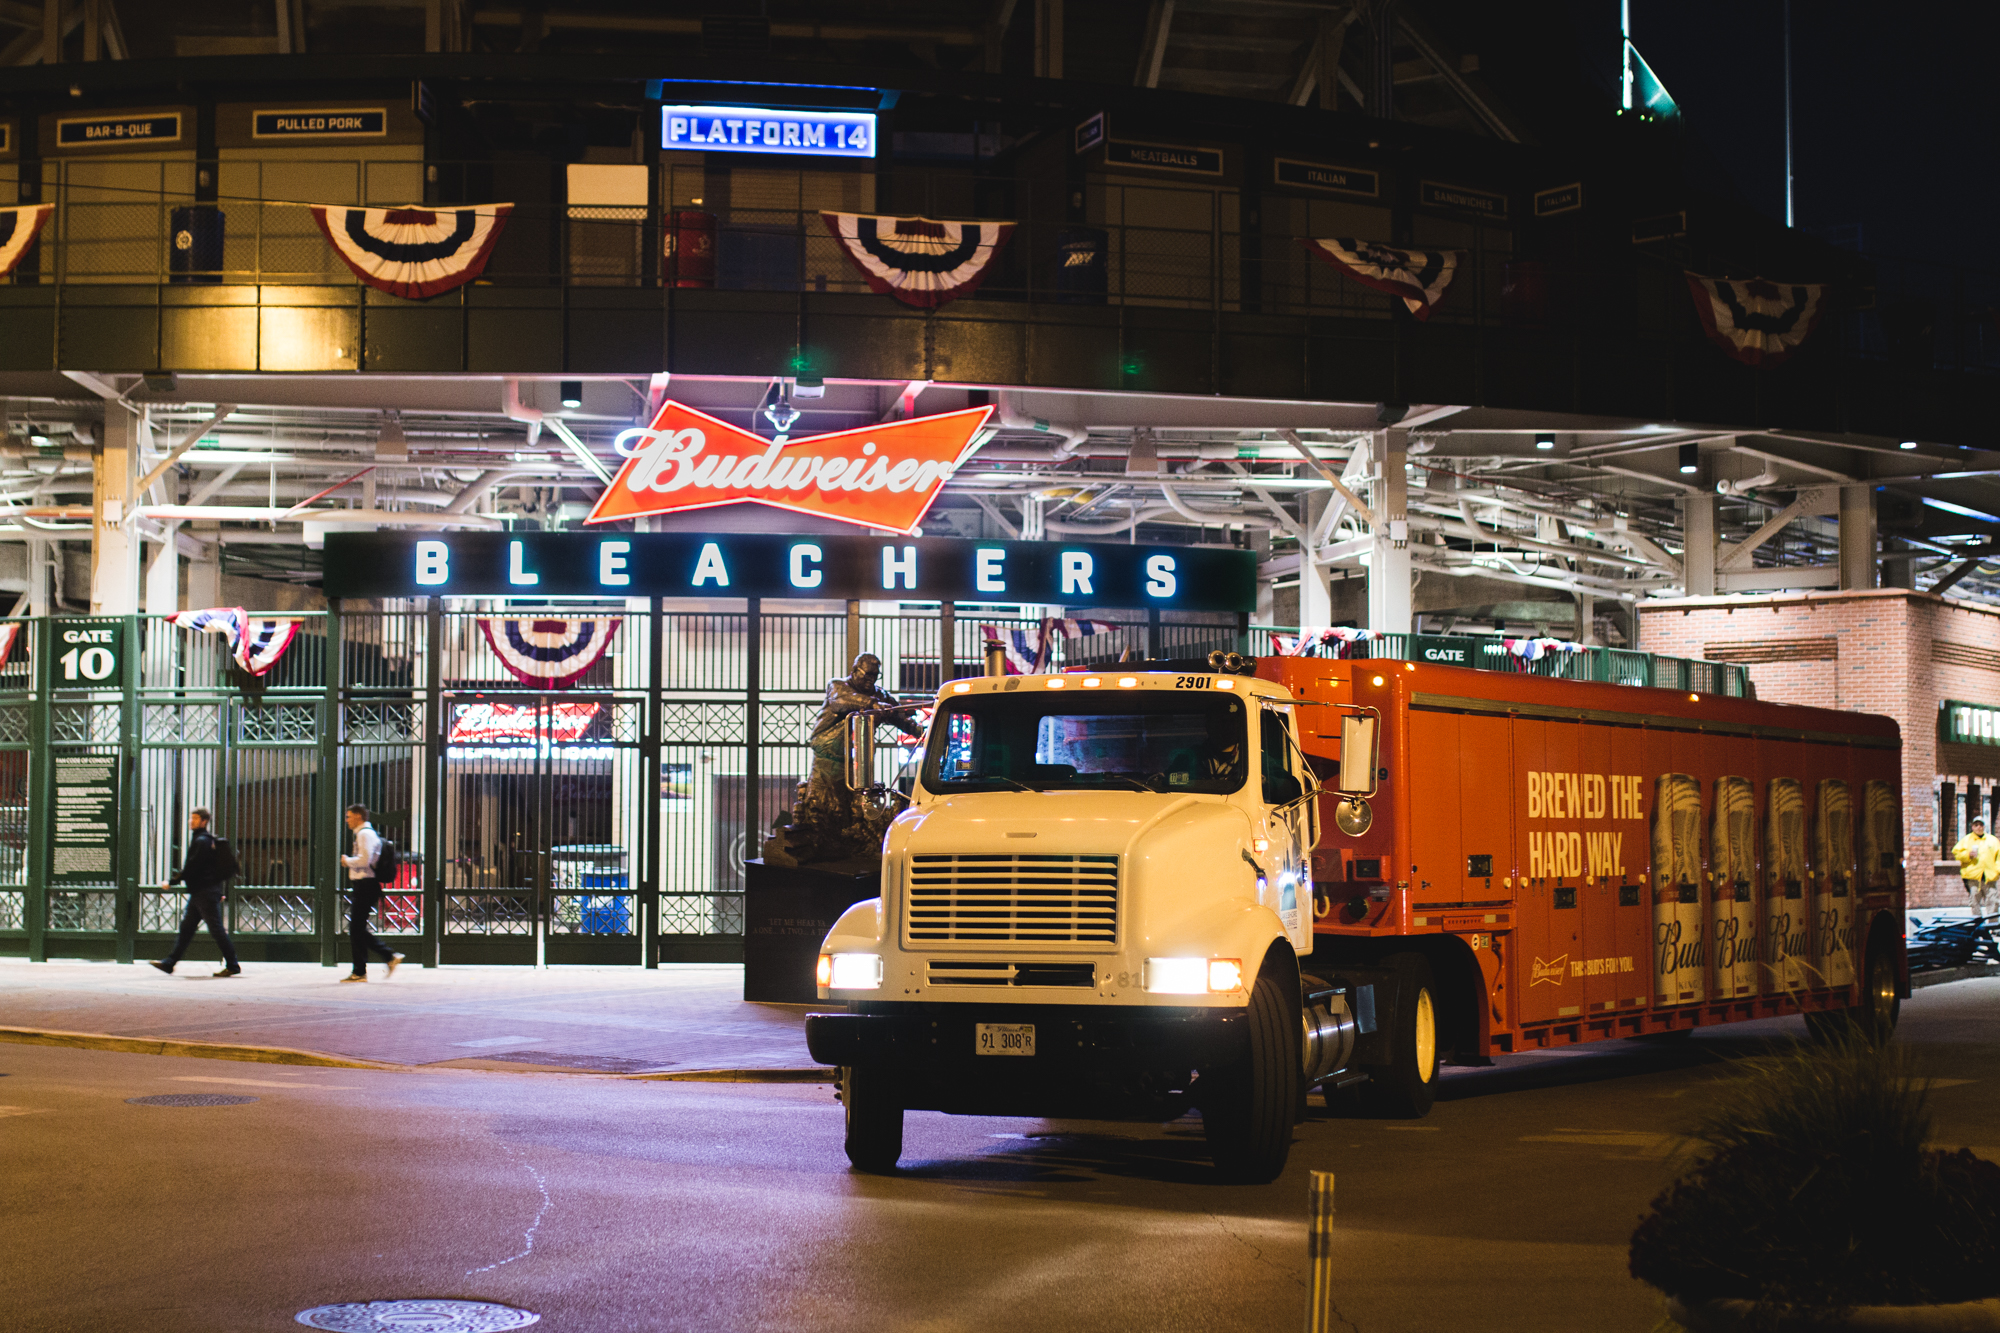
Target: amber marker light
[
  {"x": 1091, "y": 682},
  {"x": 1054, "y": 682},
  {"x": 961, "y": 688},
  {"x": 1127, "y": 682},
  {"x": 1225, "y": 684},
  {"x": 1225, "y": 974},
  {"x": 825, "y": 970},
  {"x": 1378, "y": 680}
]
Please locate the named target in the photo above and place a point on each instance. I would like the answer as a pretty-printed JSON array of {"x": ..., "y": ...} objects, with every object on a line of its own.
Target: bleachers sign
[{"x": 638, "y": 564}]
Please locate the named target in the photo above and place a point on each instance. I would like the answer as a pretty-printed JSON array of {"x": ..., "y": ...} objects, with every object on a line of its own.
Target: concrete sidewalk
[{"x": 684, "y": 1017}]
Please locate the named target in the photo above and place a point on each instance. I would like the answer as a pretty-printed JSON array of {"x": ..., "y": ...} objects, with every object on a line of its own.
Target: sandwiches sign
[{"x": 883, "y": 476}]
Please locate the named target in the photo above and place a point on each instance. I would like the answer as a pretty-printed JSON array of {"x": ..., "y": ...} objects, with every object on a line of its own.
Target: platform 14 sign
[{"x": 88, "y": 654}]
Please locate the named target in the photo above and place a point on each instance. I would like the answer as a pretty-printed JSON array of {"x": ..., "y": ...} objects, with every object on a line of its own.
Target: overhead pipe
[
  {"x": 476, "y": 488},
  {"x": 516, "y": 410},
  {"x": 1007, "y": 418}
]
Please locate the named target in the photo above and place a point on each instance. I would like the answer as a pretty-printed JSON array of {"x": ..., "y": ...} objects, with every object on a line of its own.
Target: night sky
[{"x": 1894, "y": 119}]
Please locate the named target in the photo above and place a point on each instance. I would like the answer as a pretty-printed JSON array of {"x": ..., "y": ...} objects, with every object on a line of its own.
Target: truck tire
[
  {"x": 1405, "y": 1087},
  {"x": 1873, "y": 1018},
  {"x": 874, "y": 1119},
  {"x": 1248, "y": 1108}
]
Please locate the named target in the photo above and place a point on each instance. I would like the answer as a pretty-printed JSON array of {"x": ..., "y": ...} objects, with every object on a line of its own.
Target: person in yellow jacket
[{"x": 1978, "y": 854}]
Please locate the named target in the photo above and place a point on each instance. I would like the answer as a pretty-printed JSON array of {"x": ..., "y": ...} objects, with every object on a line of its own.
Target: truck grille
[
  {"x": 946, "y": 972},
  {"x": 1032, "y": 899}
]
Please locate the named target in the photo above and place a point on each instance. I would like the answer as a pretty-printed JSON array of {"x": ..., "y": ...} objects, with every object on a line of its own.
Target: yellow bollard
[{"x": 1320, "y": 1314}]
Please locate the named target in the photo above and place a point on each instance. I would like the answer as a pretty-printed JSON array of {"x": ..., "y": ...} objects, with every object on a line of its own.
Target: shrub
[{"x": 1813, "y": 1186}]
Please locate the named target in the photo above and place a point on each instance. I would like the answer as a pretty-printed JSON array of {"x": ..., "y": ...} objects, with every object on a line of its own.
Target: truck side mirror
[
  {"x": 1357, "y": 756},
  {"x": 860, "y": 751}
]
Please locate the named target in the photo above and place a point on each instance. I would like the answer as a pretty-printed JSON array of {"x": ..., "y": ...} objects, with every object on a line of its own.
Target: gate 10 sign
[{"x": 88, "y": 655}]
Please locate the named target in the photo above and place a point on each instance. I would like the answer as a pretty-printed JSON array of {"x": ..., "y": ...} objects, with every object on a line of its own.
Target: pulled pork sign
[{"x": 883, "y": 476}]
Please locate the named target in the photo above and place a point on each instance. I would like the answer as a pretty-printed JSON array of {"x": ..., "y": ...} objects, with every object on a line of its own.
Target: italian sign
[
  {"x": 884, "y": 476},
  {"x": 1335, "y": 180},
  {"x": 83, "y": 849},
  {"x": 639, "y": 564}
]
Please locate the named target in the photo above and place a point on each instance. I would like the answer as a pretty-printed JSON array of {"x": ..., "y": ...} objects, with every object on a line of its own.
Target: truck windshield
[{"x": 1048, "y": 741}]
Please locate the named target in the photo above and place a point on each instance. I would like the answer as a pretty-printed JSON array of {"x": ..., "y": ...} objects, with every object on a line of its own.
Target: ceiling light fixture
[
  {"x": 1545, "y": 441},
  {"x": 1907, "y": 444},
  {"x": 572, "y": 393},
  {"x": 1690, "y": 459}
]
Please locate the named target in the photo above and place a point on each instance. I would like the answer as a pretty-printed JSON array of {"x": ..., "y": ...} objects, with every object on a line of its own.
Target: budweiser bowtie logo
[{"x": 876, "y": 477}]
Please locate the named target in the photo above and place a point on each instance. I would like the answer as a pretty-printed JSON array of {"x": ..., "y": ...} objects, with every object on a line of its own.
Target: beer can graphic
[
  {"x": 1680, "y": 960},
  {"x": 1833, "y": 885},
  {"x": 1881, "y": 834},
  {"x": 1787, "y": 952},
  {"x": 1733, "y": 909}
]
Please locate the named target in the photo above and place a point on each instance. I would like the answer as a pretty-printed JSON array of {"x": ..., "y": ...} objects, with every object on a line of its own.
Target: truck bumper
[{"x": 1088, "y": 1061}]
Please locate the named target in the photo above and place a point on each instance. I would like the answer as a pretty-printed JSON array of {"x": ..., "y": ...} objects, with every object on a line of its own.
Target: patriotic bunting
[
  {"x": 413, "y": 252},
  {"x": 1757, "y": 322},
  {"x": 10, "y": 634},
  {"x": 549, "y": 654},
  {"x": 1418, "y": 276},
  {"x": 1338, "y": 641},
  {"x": 1523, "y": 652},
  {"x": 18, "y": 229},
  {"x": 1029, "y": 652},
  {"x": 255, "y": 642},
  {"x": 919, "y": 262}
]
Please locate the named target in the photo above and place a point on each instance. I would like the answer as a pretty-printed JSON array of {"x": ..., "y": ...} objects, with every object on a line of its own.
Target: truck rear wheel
[
  {"x": 1248, "y": 1108},
  {"x": 1406, "y": 1086},
  {"x": 1875, "y": 1016},
  {"x": 874, "y": 1119}
]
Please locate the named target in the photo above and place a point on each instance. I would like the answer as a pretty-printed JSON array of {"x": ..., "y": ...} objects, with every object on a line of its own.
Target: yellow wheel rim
[{"x": 1427, "y": 1035}]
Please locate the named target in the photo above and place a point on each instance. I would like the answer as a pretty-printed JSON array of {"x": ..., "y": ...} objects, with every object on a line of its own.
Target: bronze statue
[{"x": 831, "y": 822}]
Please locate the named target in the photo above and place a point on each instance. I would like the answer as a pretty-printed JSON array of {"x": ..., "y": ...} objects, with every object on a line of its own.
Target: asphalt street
[{"x": 613, "y": 1204}]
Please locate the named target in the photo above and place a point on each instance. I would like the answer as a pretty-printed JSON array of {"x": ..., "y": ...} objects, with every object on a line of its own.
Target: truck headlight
[
  {"x": 1192, "y": 976},
  {"x": 852, "y": 971}
]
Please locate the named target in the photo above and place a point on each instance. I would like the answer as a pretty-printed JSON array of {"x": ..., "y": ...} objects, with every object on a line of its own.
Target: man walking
[
  {"x": 364, "y": 891},
  {"x": 1978, "y": 855},
  {"x": 201, "y": 870}
]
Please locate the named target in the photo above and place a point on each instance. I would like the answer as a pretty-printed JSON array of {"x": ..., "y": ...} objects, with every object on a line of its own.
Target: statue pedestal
[{"x": 787, "y": 911}]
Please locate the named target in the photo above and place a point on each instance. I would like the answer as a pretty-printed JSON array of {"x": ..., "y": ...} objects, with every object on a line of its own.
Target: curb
[
  {"x": 285, "y": 1055},
  {"x": 208, "y": 1050},
  {"x": 1919, "y": 980},
  {"x": 814, "y": 1075}
]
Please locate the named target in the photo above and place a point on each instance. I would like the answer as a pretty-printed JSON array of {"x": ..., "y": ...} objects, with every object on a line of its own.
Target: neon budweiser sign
[{"x": 884, "y": 476}]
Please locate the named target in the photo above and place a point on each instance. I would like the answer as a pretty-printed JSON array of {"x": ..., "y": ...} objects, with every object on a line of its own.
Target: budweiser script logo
[
  {"x": 876, "y": 477},
  {"x": 1550, "y": 974}
]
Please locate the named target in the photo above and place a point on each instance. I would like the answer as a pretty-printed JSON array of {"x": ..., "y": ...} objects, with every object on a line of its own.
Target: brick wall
[{"x": 1889, "y": 651}]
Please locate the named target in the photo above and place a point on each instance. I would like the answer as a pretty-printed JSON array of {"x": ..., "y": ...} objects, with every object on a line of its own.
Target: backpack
[
  {"x": 226, "y": 864},
  {"x": 387, "y": 862}
]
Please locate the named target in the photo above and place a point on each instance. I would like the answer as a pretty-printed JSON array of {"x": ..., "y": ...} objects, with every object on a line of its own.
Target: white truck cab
[{"x": 1094, "y": 906}]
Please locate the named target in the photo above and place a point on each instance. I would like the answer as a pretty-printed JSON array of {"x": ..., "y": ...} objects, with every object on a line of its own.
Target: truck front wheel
[
  {"x": 874, "y": 1119},
  {"x": 1248, "y": 1108},
  {"x": 1406, "y": 1086}
]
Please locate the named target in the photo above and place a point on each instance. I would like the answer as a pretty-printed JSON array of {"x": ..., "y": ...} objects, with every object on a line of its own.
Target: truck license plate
[{"x": 1003, "y": 1038}]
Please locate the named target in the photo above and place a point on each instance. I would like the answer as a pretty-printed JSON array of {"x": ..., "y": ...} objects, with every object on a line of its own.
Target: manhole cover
[
  {"x": 411, "y": 1316},
  {"x": 189, "y": 1099}
]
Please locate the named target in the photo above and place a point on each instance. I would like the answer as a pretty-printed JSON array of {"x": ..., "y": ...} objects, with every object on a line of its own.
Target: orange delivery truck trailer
[{"x": 1544, "y": 862}]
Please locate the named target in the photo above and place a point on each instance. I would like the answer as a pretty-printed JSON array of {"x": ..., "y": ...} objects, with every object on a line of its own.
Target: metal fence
[{"x": 605, "y": 822}]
